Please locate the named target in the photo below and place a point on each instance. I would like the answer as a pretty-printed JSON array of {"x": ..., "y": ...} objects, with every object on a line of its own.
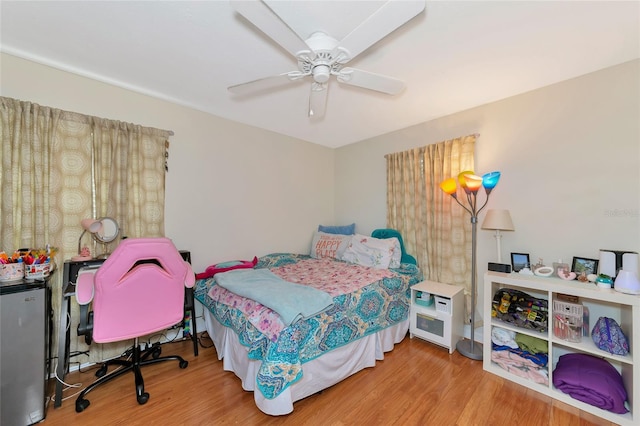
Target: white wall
[
  {"x": 233, "y": 191},
  {"x": 570, "y": 161},
  {"x": 569, "y": 154}
]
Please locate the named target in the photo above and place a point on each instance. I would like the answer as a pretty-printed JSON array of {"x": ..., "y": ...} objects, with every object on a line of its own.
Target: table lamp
[
  {"x": 498, "y": 220},
  {"x": 88, "y": 225}
]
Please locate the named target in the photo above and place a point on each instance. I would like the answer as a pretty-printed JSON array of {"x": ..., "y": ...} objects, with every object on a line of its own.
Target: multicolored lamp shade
[
  {"x": 471, "y": 184},
  {"x": 490, "y": 180},
  {"x": 449, "y": 186}
]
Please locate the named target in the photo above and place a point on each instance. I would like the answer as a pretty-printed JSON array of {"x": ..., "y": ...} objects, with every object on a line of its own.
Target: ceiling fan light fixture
[{"x": 321, "y": 73}]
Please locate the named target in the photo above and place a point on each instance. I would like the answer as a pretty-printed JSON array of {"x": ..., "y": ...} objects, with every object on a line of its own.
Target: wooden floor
[{"x": 417, "y": 384}]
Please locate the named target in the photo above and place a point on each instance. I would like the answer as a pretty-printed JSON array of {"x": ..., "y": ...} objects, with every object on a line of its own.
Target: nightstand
[{"x": 436, "y": 314}]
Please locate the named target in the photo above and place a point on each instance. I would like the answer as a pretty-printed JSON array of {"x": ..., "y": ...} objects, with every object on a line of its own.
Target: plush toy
[{"x": 226, "y": 266}]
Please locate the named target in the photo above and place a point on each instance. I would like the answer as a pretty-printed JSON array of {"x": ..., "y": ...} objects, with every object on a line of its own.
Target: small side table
[{"x": 436, "y": 314}]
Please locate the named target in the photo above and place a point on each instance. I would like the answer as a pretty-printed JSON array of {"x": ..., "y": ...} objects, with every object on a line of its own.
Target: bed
[{"x": 282, "y": 360}]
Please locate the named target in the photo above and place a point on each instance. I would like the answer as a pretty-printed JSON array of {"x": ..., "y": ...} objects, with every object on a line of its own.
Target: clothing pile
[{"x": 519, "y": 354}]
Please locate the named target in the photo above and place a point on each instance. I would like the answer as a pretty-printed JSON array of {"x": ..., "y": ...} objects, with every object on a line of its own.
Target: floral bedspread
[{"x": 365, "y": 301}]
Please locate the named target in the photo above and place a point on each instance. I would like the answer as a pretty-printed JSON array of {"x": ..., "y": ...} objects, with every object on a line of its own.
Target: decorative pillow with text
[{"x": 329, "y": 245}]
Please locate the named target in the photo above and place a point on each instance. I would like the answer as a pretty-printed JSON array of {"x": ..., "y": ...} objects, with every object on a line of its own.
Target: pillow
[
  {"x": 397, "y": 254},
  {"x": 345, "y": 230},
  {"x": 369, "y": 251},
  {"x": 328, "y": 245},
  {"x": 390, "y": 233}
]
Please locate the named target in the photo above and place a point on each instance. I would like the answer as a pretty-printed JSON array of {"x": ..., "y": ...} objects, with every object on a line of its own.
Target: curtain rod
[{"x": 83, "y": 118}]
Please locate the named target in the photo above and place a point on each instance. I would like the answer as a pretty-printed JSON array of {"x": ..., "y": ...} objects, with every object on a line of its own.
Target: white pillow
[
  {"x": 328, "y": 245},
  {"x": 397, "y": 253},
  {"x": 368, "y": 251}
]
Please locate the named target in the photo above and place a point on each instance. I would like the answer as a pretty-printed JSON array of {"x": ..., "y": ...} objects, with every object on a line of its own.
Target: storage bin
[
  {"x": 443, "y": 304},
  {"x": 37, "y": 271},
  {"x": 567, "y": 321},
  {"x": 11, "y": 272},
  {"x": 423, "y": 298}
]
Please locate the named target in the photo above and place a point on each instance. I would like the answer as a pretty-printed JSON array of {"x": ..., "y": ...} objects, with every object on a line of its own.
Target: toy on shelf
[{"x": 85, "y": 254}]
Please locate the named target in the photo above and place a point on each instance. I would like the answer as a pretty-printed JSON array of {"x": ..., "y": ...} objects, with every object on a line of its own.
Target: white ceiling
[{"x": 454, "y": 56}]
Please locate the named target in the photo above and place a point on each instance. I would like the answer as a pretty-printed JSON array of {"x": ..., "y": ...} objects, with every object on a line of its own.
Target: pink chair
[{"x": 137, "y": 291}]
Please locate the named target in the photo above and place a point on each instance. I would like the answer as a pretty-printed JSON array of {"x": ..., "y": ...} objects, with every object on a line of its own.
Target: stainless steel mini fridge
[{"x": 23, "y": 348}]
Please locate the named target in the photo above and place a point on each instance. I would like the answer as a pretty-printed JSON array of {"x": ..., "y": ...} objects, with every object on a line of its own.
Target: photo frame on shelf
[
  {"x": 519, "y": 261},
  {"x": 584, "y": 265}
]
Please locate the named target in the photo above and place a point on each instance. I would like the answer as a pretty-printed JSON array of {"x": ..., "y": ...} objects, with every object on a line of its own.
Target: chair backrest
[
  {"x": 392, "y": 233},
  {"x": 139, "y": 289}
]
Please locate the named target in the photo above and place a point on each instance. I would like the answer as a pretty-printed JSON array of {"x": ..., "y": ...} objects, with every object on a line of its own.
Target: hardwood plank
[{"x": 416, "y": 384}]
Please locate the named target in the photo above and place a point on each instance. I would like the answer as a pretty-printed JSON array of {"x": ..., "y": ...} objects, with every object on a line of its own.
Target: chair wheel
[
  {"x": 156, "y": 352},
  {"x": 81, "y": 404},
  {"x": 142, "y": 399},
  {"x": 183, "y": 364},
  {"x": 101, "y": 371}
]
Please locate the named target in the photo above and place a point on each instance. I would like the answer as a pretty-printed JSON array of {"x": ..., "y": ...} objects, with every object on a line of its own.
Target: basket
[
  {"x": 11, "y": 272},
  {"x": 567, "y": 321},
  {"x": 423, "y": 298},
  {"x": 37, "y": 271}
]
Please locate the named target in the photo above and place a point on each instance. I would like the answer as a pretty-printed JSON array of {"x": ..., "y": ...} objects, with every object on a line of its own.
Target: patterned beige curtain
[
  {"x": 59, "y": 167},
  {"x": 129, "y": 163},
  {"x": 434, "y": 228}
]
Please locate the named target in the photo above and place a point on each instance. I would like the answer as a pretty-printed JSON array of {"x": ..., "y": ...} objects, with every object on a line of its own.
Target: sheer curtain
[
  {"x": 435, "y": 229},
  {"x": 59, "y": 167}
]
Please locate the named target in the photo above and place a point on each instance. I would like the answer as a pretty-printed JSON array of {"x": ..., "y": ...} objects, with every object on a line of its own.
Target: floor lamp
[
  {"x": 498, "y": 220},
  {"x": 471, "y": 183}
]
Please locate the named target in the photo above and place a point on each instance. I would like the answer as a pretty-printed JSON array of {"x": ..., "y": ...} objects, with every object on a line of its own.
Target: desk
[{"x": 70, "y": 273}]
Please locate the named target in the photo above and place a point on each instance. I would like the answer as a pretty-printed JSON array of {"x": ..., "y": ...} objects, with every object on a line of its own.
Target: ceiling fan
[{"x": 321, "y": 56}]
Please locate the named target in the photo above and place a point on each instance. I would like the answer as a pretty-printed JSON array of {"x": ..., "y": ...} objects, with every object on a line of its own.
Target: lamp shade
[
  {"x": 498, "y": 219},
  {"x": 449, "y": 186},
  {"x": 461, "y": 177},
  {"x": 91, "y": 225},
  {"x": 473, "y": 182},
  {"x": 490, "y": 180}
]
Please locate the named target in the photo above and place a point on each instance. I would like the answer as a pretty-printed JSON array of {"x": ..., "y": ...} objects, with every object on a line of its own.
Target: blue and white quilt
[{"x": 370, "y": 308}]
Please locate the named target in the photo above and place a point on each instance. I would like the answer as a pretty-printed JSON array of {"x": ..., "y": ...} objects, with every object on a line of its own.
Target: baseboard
[{"x": 478, "y": 334}]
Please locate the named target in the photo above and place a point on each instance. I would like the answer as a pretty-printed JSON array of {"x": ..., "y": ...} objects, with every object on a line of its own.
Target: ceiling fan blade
[
  {"x": 263, "y": 18},
  {"x": 318, "y": 100},
  {"x": 264, "y": 84},
  {"x": 371, "y": 81},
  {"x": 390, "y": 16}
]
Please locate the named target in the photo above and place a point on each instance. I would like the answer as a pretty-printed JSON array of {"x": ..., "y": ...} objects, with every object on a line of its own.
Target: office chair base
[{"x": 134, "y": 365}]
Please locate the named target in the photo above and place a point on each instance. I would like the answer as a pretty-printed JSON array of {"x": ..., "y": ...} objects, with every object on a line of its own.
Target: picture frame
[
  {"x": 519, "y": 261},
  {"x": 583, "y": 264}
]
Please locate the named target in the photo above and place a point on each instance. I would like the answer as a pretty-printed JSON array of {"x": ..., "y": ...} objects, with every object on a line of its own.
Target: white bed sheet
[{"x": 318, "y": 374}]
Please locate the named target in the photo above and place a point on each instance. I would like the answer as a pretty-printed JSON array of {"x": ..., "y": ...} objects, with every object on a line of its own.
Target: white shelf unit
[
  {"x": 624, "y": 308},
  {"x": 440, "y": 322}
]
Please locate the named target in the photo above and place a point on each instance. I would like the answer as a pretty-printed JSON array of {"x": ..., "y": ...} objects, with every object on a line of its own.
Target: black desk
[{"x": 70, "y": 273}]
